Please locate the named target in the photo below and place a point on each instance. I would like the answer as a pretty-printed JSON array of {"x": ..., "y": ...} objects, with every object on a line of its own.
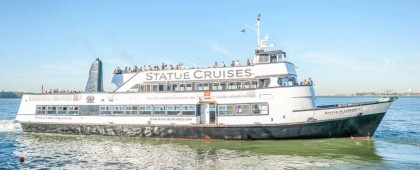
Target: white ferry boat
[{"x": 259, "y": 101}]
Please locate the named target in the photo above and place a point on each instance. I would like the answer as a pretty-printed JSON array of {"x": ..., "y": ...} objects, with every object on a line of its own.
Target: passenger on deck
[
  {"x": 223, "y": 64},
  {"x": 216, "y": 65},
  {"x": 233, "y": 64},
  {"x": 310, "y": 82},
  {"x": 237, "y": 63},
  {"x": 248, "y": 62}
]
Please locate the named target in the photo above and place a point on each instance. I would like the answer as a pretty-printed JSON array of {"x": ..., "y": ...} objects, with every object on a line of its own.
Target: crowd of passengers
[
  {"x": 179, "y": 66},
  {"x": 307, "y": 82}
]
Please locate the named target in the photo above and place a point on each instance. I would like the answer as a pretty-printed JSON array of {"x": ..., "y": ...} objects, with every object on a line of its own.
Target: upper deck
[
  {"x": 242, "y": 73},
  {"x": 269, "y": 69}
]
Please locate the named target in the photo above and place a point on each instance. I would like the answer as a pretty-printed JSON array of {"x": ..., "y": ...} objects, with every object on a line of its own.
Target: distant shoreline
[{"x": 4, "y": 94}]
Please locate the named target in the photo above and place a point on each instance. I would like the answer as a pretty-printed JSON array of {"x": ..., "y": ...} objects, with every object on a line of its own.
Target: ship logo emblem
[
  {"x": 90, "y": 99},
  {"x": 207, "y": 94}
]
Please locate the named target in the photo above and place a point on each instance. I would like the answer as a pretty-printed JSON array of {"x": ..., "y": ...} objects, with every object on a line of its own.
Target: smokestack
[{"x": 95, "y": 81}]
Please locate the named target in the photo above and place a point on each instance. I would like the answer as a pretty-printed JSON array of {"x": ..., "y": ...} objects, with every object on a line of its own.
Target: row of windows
[
  {"x": 122, "y": 110},
  {"x": 200, "y": 86},
  {"x": 60, "y": 110},
  {"x": 171, "y": 110},
  {"x": 149, "y": 110},
  {"x": 243, "y": 109}
]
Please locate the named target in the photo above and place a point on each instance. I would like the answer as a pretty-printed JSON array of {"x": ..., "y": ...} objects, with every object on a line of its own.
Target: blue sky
[{"x": 344, "y": 46}]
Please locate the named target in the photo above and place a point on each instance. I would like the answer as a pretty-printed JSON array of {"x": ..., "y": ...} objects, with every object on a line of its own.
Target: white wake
[{"x": 10, "y": 126}]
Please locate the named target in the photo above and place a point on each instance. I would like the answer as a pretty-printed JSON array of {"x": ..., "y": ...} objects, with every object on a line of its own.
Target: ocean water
[{"x": 395, "y": 145}]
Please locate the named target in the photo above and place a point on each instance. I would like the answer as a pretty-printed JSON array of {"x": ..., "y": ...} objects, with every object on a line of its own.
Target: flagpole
[{"x": 258, "y": 31}]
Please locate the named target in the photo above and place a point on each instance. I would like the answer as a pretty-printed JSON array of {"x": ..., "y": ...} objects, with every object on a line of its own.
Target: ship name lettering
[
  {"x": 230, "y": 73},
  {"x": 195, "y": 74},
  {"x": 343, "y": 111},
  {"x": 199, "y": 74},
  {"x": 248, "y": 73}
]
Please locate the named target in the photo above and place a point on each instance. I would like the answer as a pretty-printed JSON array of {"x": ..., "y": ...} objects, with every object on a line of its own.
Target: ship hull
[{"x": 358, "y": 126}]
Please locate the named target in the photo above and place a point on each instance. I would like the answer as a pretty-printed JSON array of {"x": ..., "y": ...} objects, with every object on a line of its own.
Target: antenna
[
  {"x": 260, "y": 42},
  {"x": 258, "y": 31}
]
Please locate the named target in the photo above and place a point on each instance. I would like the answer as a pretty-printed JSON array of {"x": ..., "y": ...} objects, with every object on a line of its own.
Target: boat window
[
  {"x": 260, "y": 108},
  {"x": 266, "y": 82},
  {"x": 148, "y": 88},
  {"x": 232, "y": 86},
  {"x": 263, "y": 58},
  {"x": 181, "y": 87},
  {"x": 62, "y": 110},
  {"x": 159, "y": 110},
  {"x": 175, "y": 87},
  {"x": 189, "y": 109},
  {"x": 199, "y": 86},
  {"x": 161, "y": 87},
  {"x": 215, "y": 86},
  {"x": 222, "y": 86},
  {"x": 73, "y": 110},
  {"x": 173, "y": 109},
  {"x": 51, "y": 110},
  {"x": 225, "y": 109},
  {"x": 145, "y": 110},
  {"x": 206, "y": 86},
  {"x": 105, "y": 110},
  {"x": 286, "y": 81},
  {"x": 281, "y": 82},
  {"x": 263, "y": 83},
  {"x": 142, "y": 88},
  {"x": 188, "y": 87},
  {"x": 273, "y": 58},
  {"x": 168, "y": 87},
  {"x": 247, "y": 85},
  {"x": 292, "y": 81},
  {"x": 118, "y": 110},
  {"x": 222, "y": 109},
  {"x": 238, "y": 85},
  {"x": 131, "y": 110},
  {"x": 254, "y": 84},
  {"x": 242, "y": 109},
  {"x": 155, "y": 87},
  {"x": 41, "y": 109}
]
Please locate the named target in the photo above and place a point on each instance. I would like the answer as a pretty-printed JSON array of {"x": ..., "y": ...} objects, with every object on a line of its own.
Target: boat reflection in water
[{"x": 67, "y": 151}]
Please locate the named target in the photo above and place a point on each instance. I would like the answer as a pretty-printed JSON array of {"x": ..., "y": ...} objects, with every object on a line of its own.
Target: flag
[{"x": 243, "y": 30}]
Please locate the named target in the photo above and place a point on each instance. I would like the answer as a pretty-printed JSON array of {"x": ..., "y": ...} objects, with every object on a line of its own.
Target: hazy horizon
[{"x": 344, "y": 46}]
